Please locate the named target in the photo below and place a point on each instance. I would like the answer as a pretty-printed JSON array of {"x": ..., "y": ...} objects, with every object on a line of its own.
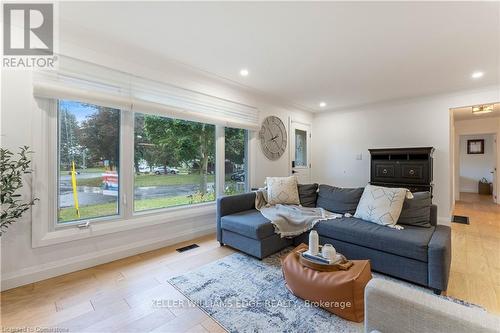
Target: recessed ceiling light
[
  {"x": 244, "y": 72},
  {"x": 477, "y": 75},
  {"x": 322, "y": 104},
  {"x": 481, "y": 109}
]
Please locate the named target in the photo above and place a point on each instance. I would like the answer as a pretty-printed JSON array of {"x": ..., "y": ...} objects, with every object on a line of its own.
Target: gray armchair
[{"x": 392, "y": 307}]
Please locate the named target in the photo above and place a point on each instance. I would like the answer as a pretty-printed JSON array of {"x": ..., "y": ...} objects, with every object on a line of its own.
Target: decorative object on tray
[
  {"x": 320, "y": 263},
  {"x": 328, "y": 252},
  {"x": 313, "y": 242}
]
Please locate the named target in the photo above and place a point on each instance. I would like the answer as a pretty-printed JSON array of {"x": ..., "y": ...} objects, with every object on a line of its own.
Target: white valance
[{"x": 82, "y": 81}]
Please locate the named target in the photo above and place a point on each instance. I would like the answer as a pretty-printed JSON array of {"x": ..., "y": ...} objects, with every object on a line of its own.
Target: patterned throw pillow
[
  {"x": 381, "y": 205},
  {"x": 282, "y": 190}
]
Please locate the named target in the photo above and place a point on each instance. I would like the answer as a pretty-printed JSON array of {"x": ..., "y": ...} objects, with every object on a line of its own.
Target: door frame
[
  {"x": 291, "y": 151},
  {"x": 496, "y": 148}
]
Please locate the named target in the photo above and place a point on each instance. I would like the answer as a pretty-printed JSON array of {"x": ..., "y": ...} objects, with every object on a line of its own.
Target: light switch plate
[{"x": 359, "y": 156}]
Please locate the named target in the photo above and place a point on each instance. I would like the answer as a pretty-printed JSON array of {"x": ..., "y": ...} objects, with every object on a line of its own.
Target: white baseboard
[
  {"x": 469, "y": 189},
  {"x": 45, "y": 271}
]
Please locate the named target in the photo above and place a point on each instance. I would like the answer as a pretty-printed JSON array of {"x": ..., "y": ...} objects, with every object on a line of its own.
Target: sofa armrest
[
  {"x": 393, "y": 307},
  {"x": 439, "y": 257},
  {"x": 233, "y": 204}
]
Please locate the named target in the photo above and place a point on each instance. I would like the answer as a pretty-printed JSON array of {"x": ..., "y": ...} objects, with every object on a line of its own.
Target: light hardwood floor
[
  {"x": 116, "y": 297},
  {"x": 475, "y": 265},
  {"x": 119, "y": 296}
]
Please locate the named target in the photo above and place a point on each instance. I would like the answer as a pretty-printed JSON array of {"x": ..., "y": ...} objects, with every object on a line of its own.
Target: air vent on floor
[
  {"x": 187, "y": 248},
  {"x": 460, "y": 219}
]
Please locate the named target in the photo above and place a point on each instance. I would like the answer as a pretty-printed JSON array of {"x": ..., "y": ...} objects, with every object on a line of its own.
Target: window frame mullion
[
  {"x": 127, "y": 171},
  {"x": 220, "y": 159}
]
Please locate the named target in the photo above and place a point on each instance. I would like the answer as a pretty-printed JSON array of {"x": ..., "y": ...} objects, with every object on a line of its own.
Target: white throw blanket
[{"x": 291, "y": 220}]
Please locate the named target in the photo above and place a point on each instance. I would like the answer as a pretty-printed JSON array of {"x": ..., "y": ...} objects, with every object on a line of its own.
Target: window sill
[{"x": 140, "y": 220}]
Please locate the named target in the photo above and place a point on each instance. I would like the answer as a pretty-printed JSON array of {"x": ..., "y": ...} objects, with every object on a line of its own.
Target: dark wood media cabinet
[{"x": 410, "y": 168}]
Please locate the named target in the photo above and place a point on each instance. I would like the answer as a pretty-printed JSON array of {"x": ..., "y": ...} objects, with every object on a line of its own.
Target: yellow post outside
[{"x": 75, "y": 193}]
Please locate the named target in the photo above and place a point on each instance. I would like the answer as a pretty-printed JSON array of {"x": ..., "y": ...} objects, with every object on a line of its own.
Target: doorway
[
  {"x": 477, "y": 167},
  {"x": 475, "y": 153}
]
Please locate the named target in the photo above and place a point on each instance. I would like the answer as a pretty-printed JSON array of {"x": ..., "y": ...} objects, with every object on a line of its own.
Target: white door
[{"x": 300, "y": 140}]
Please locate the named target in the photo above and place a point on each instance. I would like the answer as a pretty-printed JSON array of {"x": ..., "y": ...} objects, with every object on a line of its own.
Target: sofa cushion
[
  {"x": 250, "y": 223},
  {"x": 308, "y": 194},
  {"x": 411, "y": 242},
  {"x": 417, "y": 211},
  {"x": 339, "y": 200}
]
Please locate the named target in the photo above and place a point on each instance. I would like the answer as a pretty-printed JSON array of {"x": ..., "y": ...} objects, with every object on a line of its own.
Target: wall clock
[{"x": 273, "y": 137}]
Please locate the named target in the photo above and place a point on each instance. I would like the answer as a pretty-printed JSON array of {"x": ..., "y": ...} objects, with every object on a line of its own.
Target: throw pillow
[
  {"x": 282, "y": 190},
  {"x": 308, "y": 194},
  {"x": 339, "y": 200},
  {"x": 381, "y": 205},
  {"x": 417, "y": 211}
]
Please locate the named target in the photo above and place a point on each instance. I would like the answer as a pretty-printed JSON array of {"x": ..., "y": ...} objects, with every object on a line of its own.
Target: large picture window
[
  {"x": 88, "y": 161},
  {"x": 174, "y": 162},
  {"x": 235, "y": 166}
]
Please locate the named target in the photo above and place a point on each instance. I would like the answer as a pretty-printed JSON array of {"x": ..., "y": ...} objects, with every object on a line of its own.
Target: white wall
[
  {"x": 474, "y": 167},
  {"x": 340, "y": 135},
  {"x": 20, "y": 263}
]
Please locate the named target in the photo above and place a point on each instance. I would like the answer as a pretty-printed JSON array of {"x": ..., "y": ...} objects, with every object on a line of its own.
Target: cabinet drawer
[
  {"x": 414, "y": 173},
  {"x": 384, "y": 170}
]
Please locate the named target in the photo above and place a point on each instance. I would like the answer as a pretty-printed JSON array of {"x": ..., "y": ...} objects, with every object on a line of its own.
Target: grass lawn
[
  {"x": 69, "y": 214},
  {"x": 152, "y": 180}
]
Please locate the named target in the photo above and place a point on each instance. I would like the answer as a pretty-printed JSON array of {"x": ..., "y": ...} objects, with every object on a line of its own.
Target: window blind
[{"x": 86, "y": 82}]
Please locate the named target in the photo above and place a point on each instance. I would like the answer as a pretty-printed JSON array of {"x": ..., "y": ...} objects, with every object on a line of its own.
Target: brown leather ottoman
[{"x": 339, "y": 292}]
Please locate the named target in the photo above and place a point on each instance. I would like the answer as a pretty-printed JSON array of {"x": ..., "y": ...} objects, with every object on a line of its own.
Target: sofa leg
[
  {"x": 221, "y": 244},
  {"x": 437, "y": 291}
]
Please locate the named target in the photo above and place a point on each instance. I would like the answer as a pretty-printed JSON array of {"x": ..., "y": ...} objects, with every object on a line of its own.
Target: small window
[
  {"x": 88, "y": 161},
  {"x": 174, "y": 162},
  {"x": 235, "y": 166},
  {"x": 300, "y": 148}
]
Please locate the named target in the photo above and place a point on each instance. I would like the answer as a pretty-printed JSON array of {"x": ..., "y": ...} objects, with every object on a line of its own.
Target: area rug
[{"x": 244, "y": 294}]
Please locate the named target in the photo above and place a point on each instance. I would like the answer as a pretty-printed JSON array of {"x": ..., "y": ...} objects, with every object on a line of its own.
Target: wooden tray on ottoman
[
  {"x": 343, "y": 265},
  {"x": 340, "y": 292}
]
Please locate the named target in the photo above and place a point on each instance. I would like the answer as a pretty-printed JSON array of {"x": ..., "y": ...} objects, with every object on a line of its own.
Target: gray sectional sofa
[{"x": 420, "y": 253}]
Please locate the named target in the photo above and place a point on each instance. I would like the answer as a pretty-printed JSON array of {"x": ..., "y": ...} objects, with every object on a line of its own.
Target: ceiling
[
  {"x": 466, "y": 113},
  {"x": 344, "y": 54}
]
